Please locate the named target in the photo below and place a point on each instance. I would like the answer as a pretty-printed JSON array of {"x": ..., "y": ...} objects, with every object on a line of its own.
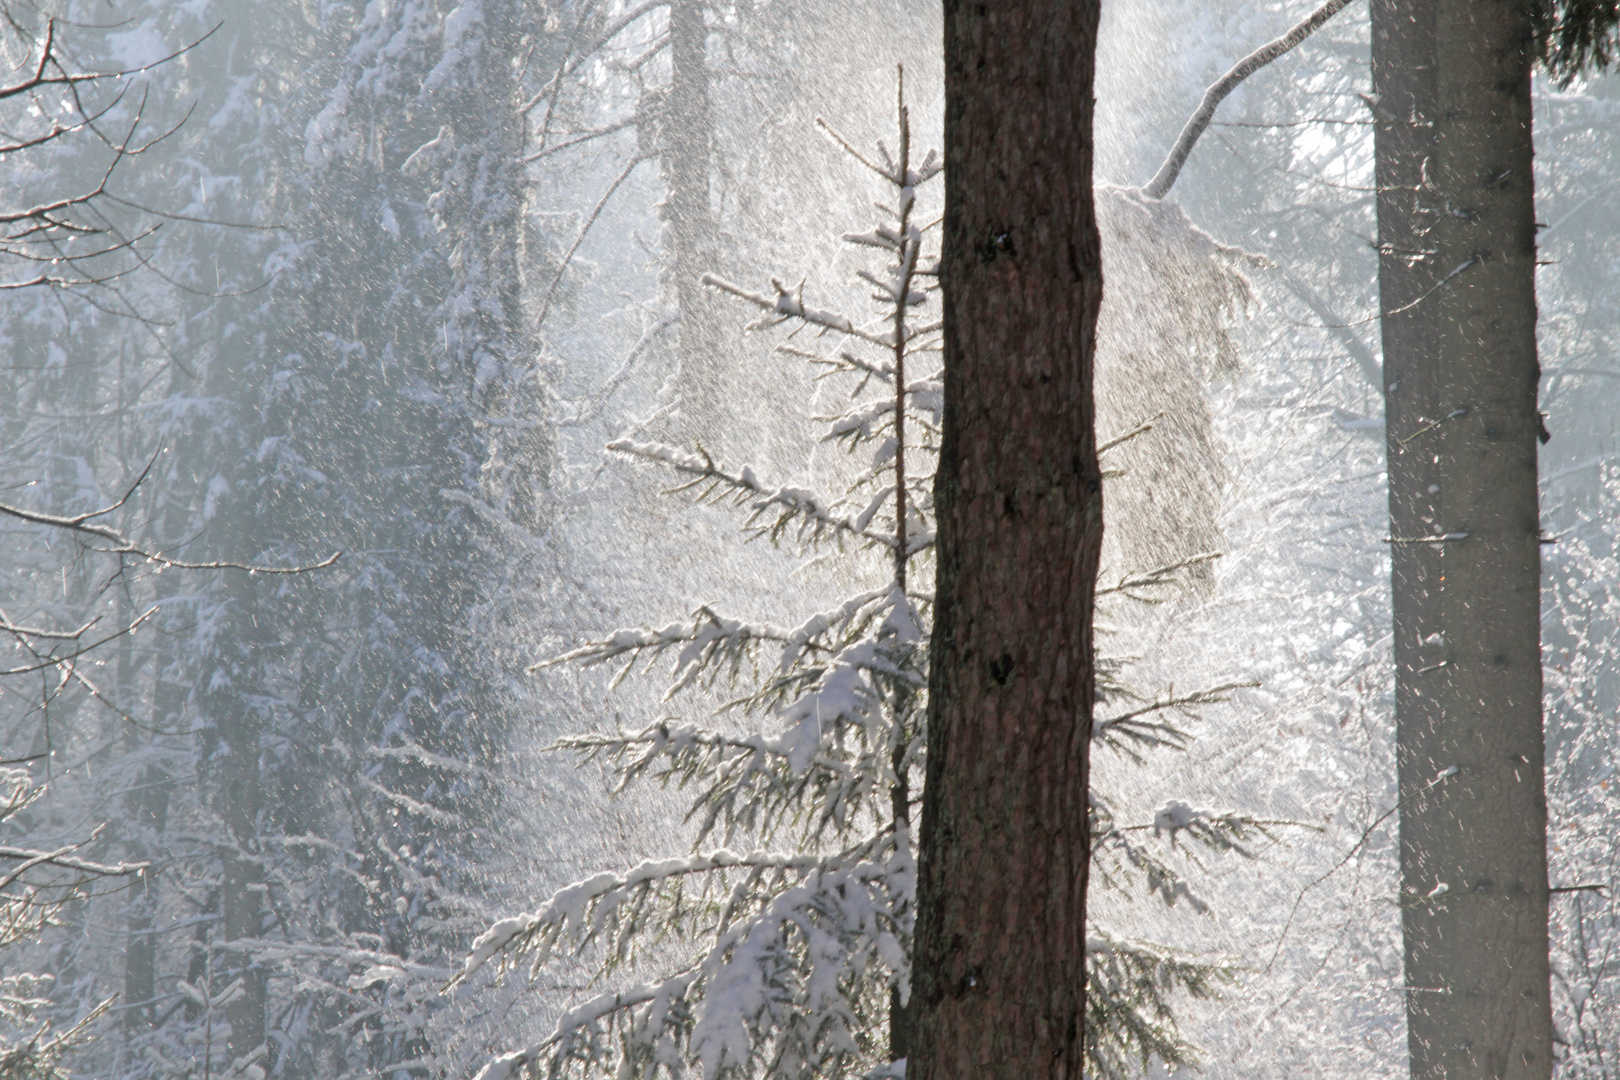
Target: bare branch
[
  {"x": 1159, "y": 186},
  {"x": 1133, "y": 585},
  {"x": 593, "y": 408},
  {"x": 562, "y": 268},
  {"x": 120, "y": 544},
  {"x": 65, "y": 661},
  {"x": 1140, "y": 429}
]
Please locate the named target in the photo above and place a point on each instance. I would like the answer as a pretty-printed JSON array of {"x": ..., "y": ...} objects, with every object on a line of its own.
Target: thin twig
[
  {"x": 1366, "y": 834},
  {"x": 562, "y": 268}
]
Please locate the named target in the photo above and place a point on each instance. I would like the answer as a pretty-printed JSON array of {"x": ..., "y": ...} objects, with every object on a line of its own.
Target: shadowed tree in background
[
  {"x": 298, "y": 750},
  {"x": 999, "y": 985},
  {"x": 394, "y": 400},
  {"x": 1457, "y": 253},
  {"x": 674, "y": 120},
  {"x": 707, "y": 95},
  {"x": 1457, "y": 257},
  {"x": 686, "y": 149}
]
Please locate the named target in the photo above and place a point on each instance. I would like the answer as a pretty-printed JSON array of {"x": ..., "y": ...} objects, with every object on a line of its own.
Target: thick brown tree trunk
[
  {"x": 999, "y": 984},
  {"x": 1457, "y": 276}
]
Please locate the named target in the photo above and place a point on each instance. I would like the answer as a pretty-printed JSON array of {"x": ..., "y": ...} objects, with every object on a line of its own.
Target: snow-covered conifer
[
  {"x": 311, "y": 764},
  {"x": 779, "y": 946}
]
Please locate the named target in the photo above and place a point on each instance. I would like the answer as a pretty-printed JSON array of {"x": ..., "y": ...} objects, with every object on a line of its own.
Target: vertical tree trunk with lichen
[
  {"x": 1000, "y": 964},
  {"x": 1457, "y": 247}
]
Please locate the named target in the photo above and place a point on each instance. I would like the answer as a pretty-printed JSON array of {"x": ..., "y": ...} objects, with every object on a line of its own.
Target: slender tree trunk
[
  {"x": 685, "y": 156},
  {"x": 147, "y": 808},
  {"x": 140, "y": 955},
  {"x": 999, "y": 985},
  {"x": 241, "y": 800},
  {"x": 900, "y": 793},
  {"x": 146, "y": 811},
  {"x": 1457, "y": 279},
  {"x": 231, "y": 690}
]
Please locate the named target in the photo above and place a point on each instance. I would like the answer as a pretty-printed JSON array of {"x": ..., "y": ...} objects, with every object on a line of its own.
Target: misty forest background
[{"x": 387, "y": 278}]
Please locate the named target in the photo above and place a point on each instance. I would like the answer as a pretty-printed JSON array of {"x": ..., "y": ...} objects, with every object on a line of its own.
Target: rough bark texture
[
  {"x": 1000, "y": 951},
  {"x": 1457, "y": 274}
]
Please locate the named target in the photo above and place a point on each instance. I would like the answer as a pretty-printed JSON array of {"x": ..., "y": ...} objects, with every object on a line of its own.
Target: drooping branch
[{"x": 1160, "y": 185}]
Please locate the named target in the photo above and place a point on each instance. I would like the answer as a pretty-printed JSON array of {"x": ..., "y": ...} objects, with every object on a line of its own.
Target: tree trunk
[
  {"x": 148, "y": 812},
  {"x": 1000, "y": 952},
  {"x": 1457, "y": 278},
  {"x": 241, "y": 796},
  {"x": 900, "y": 808},
  {"x": 685, "y": 157}
]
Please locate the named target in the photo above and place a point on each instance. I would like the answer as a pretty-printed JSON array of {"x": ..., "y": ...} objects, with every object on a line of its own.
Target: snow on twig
[
  {"x": 840, "y": 908},
  {"x": 789, "y": 304},
  {"x": 789, "y": 503}
]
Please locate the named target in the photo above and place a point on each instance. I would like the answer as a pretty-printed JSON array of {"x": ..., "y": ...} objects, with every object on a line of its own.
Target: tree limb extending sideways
[
  {"x": 1160, "y": 185},
  {"x": 85, "y": 524}
]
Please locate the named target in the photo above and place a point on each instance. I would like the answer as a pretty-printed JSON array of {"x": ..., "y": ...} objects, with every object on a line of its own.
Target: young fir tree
[{"x": 780, "y": 946}]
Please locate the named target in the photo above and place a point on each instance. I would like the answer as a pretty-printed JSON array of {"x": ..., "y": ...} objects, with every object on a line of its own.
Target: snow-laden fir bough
[{"x": 780, "y": 945}]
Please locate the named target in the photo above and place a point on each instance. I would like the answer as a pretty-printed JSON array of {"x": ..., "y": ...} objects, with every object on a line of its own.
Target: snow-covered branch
[
  {"x": 1159, "y": 186},
  {"x": 789, "y": 304},
  {"x": 789, "y": 504},
  {"x": 781, "y": 930}
]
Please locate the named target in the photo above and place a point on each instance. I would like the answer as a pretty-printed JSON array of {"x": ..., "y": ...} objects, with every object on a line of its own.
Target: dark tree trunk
[
  {"x": 900, "y": 803},
  {"x": 1457, "y": 277},
  {"x": 999, "y": 985}
]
